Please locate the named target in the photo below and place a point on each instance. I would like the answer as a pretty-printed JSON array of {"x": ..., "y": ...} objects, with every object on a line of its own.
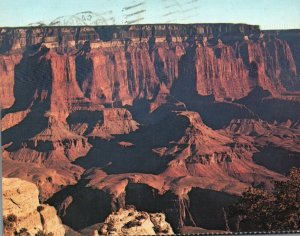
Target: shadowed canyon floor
[{"x": 178, "y": 119}]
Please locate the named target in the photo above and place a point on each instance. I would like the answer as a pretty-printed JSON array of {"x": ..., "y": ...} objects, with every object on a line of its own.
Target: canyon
[{"x": 177, "y": 119}]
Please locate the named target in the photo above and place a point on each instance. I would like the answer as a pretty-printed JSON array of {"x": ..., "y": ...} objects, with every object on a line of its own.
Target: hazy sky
[{"x": 269, "y": 14}]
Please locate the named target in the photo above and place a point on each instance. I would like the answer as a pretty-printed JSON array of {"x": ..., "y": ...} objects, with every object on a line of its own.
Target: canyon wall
[
  {"x": 90, "y": 66},
  {"x": 102, "y": 117}
]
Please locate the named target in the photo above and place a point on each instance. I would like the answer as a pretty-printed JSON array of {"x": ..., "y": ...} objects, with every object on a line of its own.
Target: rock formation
[
  {"x": 201, "y": 158},
  {"x": 20, "y": 199},
  {"x": 7, "y": 71},
  {"x": 157, "y": 116},
  {"x": 132, "y": 222},
  {"x": 127, "y": 67}
]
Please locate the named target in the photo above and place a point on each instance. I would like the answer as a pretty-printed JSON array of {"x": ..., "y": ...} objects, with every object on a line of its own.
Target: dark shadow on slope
[
  {"x": 115, "y": 159},
  {"x": 141, "y": 111},
  {"x": 271, "y": 109},
  {"x": 253, "y": 73},
  {"x": 146, "y": 198},
  {"x": 255, "y": 96},
  {"x": 84, "y": 72},
  {"x": 277, "y": 159},
  {"x": 31, "y": 76},
  {"x": 206, "y": 207},
  {"x": 218, "y": 115},
  {"x": 202, "y": 207},
  {"x": 33, "y": 124},
  {"x": 80, "y": 206},
  {"x": 83, "y": 116},
  {"x": 32, "y": 89}
]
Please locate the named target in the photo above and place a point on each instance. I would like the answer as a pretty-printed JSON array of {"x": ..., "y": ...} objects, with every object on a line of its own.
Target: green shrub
[
  {"x": 42, "y": 233},
  {"x": 22, "y": 232},
  {"x": 110, "y": 226},
  {"x": 40, "y": 208},
  {"x": 275, "y": 210},
  {"x": 132, "y": 223},
  {"x": 12, "y": 218},
  {"x": 141, "y": 217},
  {"x": 157, "y": 229},
  {"x": 128, "y": 207},
  {"x": 130, "y": 214},
  {"x": 8, "y": 225}
]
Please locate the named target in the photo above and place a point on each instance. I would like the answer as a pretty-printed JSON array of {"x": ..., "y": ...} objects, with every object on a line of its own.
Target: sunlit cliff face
[{"x": 102, "y": 117}]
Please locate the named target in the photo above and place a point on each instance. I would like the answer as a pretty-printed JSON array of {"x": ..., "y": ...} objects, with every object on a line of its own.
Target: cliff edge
[{"x": 22, "y": 210}]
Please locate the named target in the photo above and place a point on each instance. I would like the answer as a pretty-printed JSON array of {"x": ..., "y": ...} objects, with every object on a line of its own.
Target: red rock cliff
[{"x": 88, "y": 66}]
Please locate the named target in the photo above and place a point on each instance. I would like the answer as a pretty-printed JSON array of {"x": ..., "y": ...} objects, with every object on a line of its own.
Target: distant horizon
[
  {"x": 267, "y": 14},
  {"x": 197, "y": 23}
]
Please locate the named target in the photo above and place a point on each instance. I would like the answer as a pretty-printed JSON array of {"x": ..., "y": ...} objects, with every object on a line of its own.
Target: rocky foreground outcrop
[
  {"x": 131, "y": 222},
  {"x": 22, "y": 209}
]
